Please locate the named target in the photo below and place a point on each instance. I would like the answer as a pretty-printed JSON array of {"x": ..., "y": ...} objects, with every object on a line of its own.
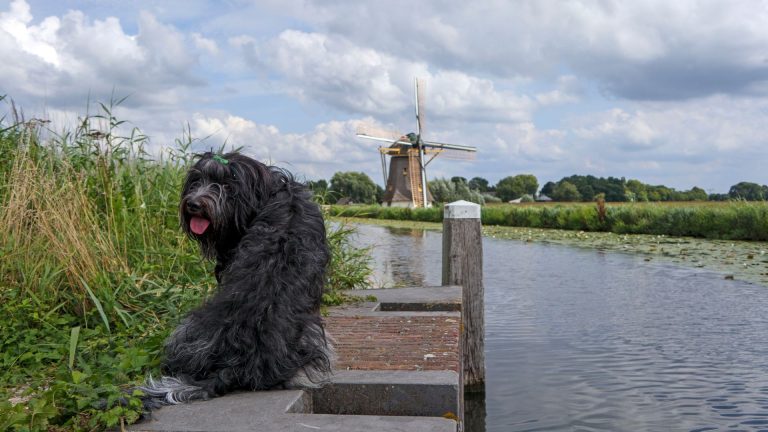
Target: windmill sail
[{"x": 406, "y": 178}]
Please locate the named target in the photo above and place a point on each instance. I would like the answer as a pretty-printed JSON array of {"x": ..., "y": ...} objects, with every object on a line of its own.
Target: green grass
[
  {"x": 94, "y": 270},
  {"x": 735, "y": 220}
]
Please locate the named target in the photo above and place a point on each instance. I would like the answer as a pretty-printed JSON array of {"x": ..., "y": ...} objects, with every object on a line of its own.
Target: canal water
[{"x": 581, "y": 340}]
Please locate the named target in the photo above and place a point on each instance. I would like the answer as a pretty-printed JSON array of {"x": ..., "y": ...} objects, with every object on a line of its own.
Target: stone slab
[
  {"x": 286, "y": 410},
  {"x": 396, "y": 393},
  {"x": 411, "y": 301}
]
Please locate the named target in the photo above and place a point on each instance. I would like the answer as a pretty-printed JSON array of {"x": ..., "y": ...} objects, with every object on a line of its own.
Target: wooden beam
[{"x": 463, "y": 266}]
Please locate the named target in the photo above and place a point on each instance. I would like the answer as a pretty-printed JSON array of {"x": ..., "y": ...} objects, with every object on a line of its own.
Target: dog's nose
[{"x": 193, "y": 207}]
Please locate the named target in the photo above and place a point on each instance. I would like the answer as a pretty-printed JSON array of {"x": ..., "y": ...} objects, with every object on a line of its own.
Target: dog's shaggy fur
[{"x": 262, "y": 328}]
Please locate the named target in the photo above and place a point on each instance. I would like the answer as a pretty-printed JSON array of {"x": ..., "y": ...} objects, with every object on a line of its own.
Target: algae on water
[{"x": 743, "y": 260}]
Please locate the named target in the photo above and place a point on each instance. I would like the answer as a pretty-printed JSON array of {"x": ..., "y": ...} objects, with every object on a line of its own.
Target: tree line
[{"x": 358, "y": 187}]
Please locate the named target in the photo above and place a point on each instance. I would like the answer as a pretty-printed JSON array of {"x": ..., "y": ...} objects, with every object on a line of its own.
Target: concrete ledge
[
  {"x": 438, "y": 294},
  {"x": 391, "y": 393},
  {"x": 418, "y": 307},
  {"x": 368, "y": 400},
  {"x": 237, "y": 411},
  {"x": 430, "y": 301}
]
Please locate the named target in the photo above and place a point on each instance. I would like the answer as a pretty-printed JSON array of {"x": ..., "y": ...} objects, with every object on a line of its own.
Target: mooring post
[{"x": 463, "y": 266}]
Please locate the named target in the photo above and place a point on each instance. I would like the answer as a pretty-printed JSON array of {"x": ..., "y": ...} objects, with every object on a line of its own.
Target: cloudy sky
[{"x": 667, "y": 92}]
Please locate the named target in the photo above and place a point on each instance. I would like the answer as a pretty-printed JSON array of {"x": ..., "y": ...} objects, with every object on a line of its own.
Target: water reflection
[
  {"x": 402, "y": 256},
  {"x": 588, "y": 341}
]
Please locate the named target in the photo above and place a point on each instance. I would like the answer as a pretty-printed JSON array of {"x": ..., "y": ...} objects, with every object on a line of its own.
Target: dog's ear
[{"x": 252, "y": 178}]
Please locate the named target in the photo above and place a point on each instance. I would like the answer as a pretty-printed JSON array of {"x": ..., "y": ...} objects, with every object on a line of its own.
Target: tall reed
[{"x": 94, "y": 270}]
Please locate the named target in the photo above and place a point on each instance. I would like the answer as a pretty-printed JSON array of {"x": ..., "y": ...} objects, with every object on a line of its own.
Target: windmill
[{"x": 406, "y": 178}]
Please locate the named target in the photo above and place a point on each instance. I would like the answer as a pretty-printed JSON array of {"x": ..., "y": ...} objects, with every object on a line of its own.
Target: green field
[
  {"x": 731, "y": 220},
  {"x": 95, "y": 271}
]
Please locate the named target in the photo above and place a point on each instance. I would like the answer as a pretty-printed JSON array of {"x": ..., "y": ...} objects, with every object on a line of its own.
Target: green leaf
[
  {"x": 78, "y": 377},
  {"x": 12, "y": 415},
  {"x": 73, "y": 337},
  {"x": 98, "y": 305}
]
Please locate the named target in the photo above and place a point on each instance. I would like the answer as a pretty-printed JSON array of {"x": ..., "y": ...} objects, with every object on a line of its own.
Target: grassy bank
[
  {"x": 94, "y": 270},
  {"x": 736, "y": 220},
  {"x": 737, "y": 259}
]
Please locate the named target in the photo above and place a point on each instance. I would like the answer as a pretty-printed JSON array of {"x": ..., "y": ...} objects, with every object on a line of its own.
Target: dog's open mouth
[{"x": 198, "y": 225}]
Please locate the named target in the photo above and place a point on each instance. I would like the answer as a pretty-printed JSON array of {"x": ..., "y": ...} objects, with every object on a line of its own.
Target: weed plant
[{"x": 94, "y": 270}]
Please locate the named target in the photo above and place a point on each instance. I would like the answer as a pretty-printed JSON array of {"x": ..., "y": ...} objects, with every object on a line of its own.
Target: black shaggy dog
[{"x": 262, "y": 328}]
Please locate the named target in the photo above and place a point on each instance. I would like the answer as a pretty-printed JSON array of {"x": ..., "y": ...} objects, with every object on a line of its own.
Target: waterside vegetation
[
  {"x": 94, "y": 270},
  {"x": 730, "y": 220}
]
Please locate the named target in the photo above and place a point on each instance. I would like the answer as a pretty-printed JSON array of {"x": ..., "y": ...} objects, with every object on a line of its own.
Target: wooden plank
[{"x": 463, "y": 265}]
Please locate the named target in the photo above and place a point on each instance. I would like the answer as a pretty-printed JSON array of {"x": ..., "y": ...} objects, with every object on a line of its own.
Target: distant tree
[
  {"x": 565, "y": 191},
  {"x": 659, "y": 193},
  {"x": 513, "y": 187},
  {"x": 458, "y": 179},
  {"x": 548, "y": 188},
  {"x": 445, "y": 191},
  {"x": 318, "y": 186},
  {"x": 589, "y": 186},
  {"x": 748, "y": 191},
  {"x": 621, "y": 189},
  {"x": 718, "y": 197},
  {"x": 479, "y": 184},
  {"x": 614, "y": 189},
  {"x": 638, "y": 188},
  {"x": 696, "y": 194},
  {"x": 587, "y": 192},
  {"x": 355, "y": 185}
]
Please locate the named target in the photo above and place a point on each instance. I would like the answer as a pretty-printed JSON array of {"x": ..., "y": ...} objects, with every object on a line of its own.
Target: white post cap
[{"x": 461, "y": 210}]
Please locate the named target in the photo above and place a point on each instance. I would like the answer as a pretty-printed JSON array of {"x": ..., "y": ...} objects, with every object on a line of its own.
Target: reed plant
[{"x": 94, "y": 269}]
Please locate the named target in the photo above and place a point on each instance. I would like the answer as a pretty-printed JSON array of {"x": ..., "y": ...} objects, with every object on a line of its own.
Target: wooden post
[{"x": 463, "y": 265}]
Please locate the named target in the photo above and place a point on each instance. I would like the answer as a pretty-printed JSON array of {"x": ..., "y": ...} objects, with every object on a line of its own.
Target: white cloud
[
  {"x": 204, "y": 44},
  {"x": 63, "y": 59},
  {"x": 656, "y": 49},
  {"x": 714, "y": 125},
  {"x": 314, "y": 154},
  {"x": 568, "y": 90},
  {"x": 336, "y": 72},
  {"x": 527, "y": 144},
  {"x": 630, "y": 132}
]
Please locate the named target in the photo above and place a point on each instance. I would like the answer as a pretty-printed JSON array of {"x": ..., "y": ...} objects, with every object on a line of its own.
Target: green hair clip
[{"x": 220, "y": 159}]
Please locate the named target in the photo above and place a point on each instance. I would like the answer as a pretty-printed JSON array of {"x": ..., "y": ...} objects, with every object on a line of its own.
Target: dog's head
[{"x": 220, "y": 196}]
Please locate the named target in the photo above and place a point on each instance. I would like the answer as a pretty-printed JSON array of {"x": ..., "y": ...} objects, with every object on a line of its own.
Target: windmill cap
[{"x": 461, "y": 210}]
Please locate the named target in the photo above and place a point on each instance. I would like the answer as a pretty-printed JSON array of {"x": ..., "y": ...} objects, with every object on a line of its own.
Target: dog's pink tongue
[{"x": 198, "y": 225}]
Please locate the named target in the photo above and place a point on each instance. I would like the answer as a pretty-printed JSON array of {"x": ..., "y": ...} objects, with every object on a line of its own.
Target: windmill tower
[{"x": 406, "y": 178}]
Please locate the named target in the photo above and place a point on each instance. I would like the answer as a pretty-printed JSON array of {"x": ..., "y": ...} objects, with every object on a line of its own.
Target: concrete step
[{"x": 353, "y": 401}]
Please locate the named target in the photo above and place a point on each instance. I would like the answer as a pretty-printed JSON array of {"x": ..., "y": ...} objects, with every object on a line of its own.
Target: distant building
[{"x": 543, "y": 198}]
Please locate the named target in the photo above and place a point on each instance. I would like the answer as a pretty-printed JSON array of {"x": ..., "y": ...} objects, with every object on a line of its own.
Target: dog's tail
[{"x": 170, "y": 391}]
